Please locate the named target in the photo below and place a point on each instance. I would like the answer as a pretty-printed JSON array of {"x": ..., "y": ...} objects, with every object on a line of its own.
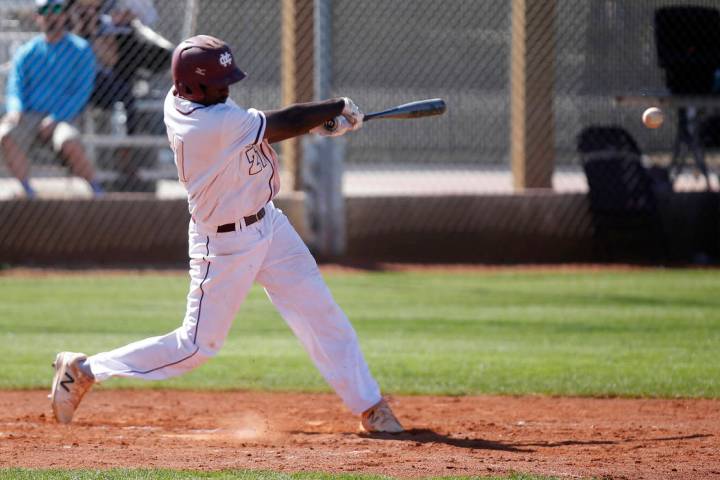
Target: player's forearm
[{"x": 299, "y": 118}]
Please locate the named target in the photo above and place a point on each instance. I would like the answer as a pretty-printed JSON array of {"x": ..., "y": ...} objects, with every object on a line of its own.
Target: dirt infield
[{"x": 566, "y": 437}]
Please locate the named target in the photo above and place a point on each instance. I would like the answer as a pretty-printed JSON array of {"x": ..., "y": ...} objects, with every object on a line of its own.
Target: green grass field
[
  {"x": 630, "y": 333},
  {"x": 625, "y": 333}
]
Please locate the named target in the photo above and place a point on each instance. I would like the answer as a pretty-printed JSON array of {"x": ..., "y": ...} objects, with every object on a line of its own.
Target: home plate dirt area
[{"x": 473, "y": 435}]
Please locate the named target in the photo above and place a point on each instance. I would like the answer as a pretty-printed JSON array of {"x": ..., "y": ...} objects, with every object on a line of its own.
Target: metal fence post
[
  {"x": 323, "y": 157},
  {"x": 190, "y": 19}
]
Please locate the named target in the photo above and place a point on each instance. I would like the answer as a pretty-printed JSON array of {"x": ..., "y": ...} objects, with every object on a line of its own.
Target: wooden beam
[
  {"x": 297, "y": 72},
  {"x": 532, "y": 90}
]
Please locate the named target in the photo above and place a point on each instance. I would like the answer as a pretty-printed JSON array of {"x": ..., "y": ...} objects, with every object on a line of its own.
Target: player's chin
[{"x": 217, "y": 95}]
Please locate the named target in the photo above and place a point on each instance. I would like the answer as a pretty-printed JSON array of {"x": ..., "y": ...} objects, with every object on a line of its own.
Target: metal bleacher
[{"x": 97, "y": 136}]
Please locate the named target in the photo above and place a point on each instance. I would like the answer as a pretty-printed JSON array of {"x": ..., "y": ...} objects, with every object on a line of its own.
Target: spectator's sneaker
[
  {"x": 380, "y": 419},
  {"x": 70, "y": 384},
  {"x": 97, "y": 189}
]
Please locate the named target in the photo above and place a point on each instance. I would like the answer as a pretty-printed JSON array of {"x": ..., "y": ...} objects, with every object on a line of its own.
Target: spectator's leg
[
  {"x": 125, "y": 164},
  {"x": 15, "y": 158},
  {"x": 66, "y": 141},
  {"x": 74, "y": 153}
]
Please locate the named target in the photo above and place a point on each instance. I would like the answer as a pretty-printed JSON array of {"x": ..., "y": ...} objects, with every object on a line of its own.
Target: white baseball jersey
[
  {"x": 226, "y": 167},
  {"x": 230, "y": 172}
]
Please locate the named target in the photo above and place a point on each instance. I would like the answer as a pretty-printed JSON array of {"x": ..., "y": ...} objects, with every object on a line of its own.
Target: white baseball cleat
[
  {"x": 70, "y": 385},
  {"x": 380, "y": 419}
]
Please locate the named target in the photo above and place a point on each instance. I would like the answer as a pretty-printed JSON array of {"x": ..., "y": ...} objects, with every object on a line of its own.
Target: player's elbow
[{"x": 287, "y": 123}]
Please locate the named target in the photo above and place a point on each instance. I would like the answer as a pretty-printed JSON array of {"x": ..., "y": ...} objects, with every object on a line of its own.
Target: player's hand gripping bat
[{"x": 420, "y": 108}]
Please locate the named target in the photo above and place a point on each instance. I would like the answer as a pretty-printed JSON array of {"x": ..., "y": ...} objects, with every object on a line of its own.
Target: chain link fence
[{"x": 382, "y": 53}]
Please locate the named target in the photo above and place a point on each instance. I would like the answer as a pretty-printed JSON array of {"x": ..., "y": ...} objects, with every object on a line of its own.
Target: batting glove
[
  {"x": 333, "y": 128},
  {"x": 353, "y": 114}
]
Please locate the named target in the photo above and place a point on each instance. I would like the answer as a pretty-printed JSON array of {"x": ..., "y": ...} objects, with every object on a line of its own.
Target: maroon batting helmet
[{"x": 200, "y": 61}]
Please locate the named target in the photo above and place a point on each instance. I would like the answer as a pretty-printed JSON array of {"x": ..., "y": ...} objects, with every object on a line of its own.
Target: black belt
[{"x": 230, "y": 227}]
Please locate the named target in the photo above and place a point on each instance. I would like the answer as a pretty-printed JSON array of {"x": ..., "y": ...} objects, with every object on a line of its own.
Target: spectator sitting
[
  {"x": 136, "y": 46},
  {"x": 88, "y": 22},
  {"x": 49, "y": 83},
  {"x": 124, "y": 46}
]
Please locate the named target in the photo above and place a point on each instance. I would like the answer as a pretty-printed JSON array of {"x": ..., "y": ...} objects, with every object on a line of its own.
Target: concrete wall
[
  {"x": 127, "y": 229},
  {"x": 536, "y": 226},
  {"x": 511, "y": 228},
  {"x": 137, "y": 230}
]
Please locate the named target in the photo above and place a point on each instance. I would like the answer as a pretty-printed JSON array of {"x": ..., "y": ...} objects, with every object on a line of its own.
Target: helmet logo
[
  {"x": 225, "y": 59},
  {"x": 200, "y": 71}
]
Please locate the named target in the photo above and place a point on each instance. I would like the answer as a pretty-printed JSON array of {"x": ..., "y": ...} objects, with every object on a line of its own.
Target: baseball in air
[{"x": 653, "y": 117}]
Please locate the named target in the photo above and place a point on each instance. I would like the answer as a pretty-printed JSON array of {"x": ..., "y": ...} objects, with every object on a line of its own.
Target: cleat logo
[
  {"x": 225, "y": 59},
  {"x": 69, "y": 380}
]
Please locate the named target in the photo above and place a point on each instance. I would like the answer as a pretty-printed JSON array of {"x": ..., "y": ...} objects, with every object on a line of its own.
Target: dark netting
[{"x": 609, "y": 61}]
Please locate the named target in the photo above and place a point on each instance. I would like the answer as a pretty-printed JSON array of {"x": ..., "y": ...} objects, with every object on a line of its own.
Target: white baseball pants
[{"x": 223, "y": 267}]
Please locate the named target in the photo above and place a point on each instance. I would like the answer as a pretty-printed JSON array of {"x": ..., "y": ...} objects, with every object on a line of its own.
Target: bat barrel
[{"x": 420, "y": 108}]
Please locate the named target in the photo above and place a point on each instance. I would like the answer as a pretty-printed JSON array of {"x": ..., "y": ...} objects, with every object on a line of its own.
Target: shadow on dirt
[
  {"x": 424, "y": 435},
  {"x": 611, "y": 442}
]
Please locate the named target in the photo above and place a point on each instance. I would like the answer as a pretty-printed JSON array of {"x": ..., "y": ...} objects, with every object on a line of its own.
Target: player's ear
[
  {"x": 184, "y": 90},
  {"x": 203, "y": 89}
]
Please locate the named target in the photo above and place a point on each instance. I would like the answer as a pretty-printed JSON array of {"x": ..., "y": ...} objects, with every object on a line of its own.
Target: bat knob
[{"x": 330, "y": 125}]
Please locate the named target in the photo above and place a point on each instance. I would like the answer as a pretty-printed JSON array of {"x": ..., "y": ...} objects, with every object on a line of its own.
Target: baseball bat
[{"x": 420, "y": 108}]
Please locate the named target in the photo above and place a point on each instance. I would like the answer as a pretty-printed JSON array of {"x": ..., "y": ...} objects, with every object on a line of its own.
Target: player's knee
[
  {"x": 209, "y": 348},
  {"x": 200, "y": 357},
  {"x": 194, "y": 353},
  {"x": 206, "y": 346}
]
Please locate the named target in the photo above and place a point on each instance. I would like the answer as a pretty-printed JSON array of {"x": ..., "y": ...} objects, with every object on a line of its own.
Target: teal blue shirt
[{"x": 55, "y": 79}]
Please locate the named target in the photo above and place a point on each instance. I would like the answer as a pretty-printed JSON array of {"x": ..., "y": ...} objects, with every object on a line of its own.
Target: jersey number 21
[{"x": 256, "y": 159}]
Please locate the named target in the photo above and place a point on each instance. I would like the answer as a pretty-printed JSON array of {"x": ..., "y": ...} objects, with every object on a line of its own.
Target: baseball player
[{"x": 237, "y": 236}]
